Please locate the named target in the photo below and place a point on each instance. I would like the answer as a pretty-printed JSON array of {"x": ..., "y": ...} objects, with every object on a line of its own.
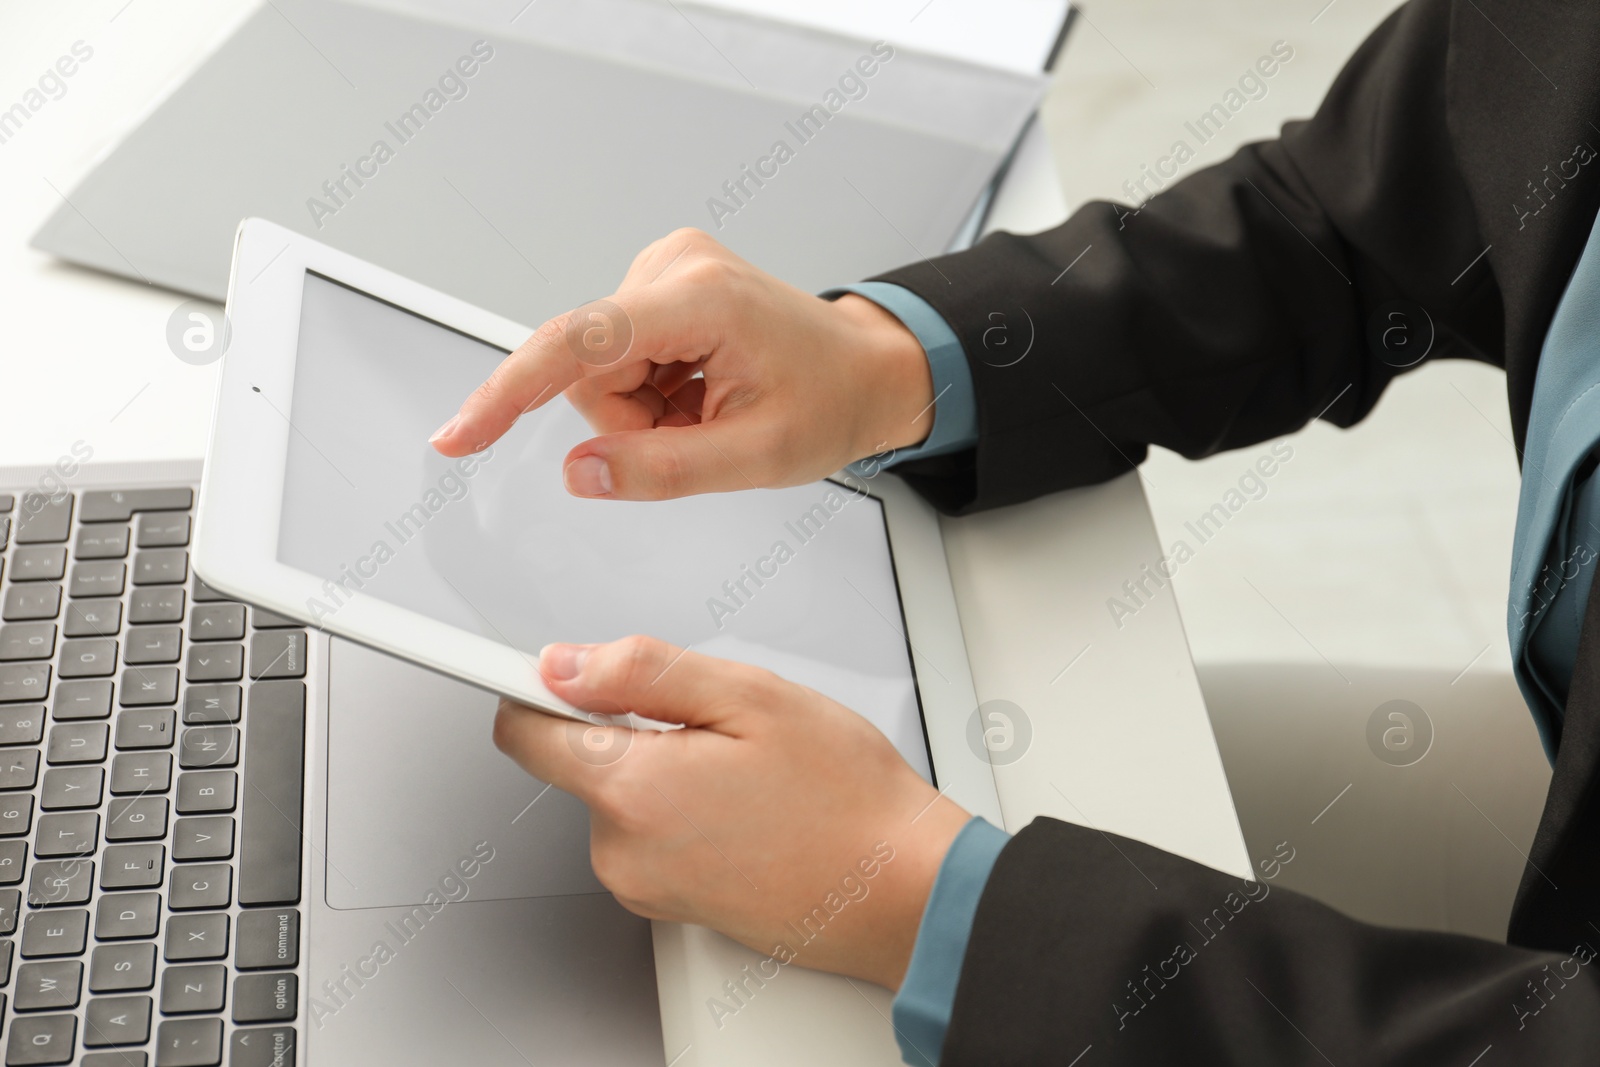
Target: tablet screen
[{"x": 799, "y": 581}]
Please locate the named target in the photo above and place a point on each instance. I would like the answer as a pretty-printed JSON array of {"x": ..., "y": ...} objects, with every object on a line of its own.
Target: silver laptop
[{"x": 162, "y": 752}]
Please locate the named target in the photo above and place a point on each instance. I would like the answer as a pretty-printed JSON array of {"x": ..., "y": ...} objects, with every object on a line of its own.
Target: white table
[{"x": 1121, "y": 740}]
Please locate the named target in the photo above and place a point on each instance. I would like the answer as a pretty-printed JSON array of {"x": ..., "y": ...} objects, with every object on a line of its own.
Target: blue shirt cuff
[
  {"x": 955, "y": 408},
  {"x": 928, "y": 994}
]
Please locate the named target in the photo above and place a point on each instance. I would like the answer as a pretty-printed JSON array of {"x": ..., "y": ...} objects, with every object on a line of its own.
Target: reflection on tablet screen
[{"x": 797, "y": 580}]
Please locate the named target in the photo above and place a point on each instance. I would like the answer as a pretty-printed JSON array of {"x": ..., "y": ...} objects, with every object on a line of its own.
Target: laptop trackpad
[{"x": 415, "y": 783}]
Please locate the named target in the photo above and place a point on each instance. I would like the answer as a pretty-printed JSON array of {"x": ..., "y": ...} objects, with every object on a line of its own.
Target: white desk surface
[{"x": 1121, "y": 740}]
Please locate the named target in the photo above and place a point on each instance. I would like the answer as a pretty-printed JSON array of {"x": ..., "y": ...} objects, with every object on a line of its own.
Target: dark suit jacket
[{"x": 1240, "y": 303}]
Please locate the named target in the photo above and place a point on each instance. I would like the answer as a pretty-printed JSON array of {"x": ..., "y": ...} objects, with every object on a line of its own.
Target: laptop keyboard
[{"x": 152, "y": 740}]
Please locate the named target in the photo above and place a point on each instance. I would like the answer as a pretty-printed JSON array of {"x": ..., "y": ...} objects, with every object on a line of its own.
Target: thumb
[
  {"x": 650, "y": 678},
  {"x": 665, "y": 462}
]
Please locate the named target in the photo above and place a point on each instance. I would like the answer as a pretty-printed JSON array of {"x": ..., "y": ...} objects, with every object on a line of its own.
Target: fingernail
[
  {"x": 561, "y": 663},
  {"x": 444, "y": 431},
  {"x": 588, "y": 476}
]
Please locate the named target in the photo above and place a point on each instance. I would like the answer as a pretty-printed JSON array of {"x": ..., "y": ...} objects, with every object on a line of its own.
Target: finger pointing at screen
[{"x": 703, "y": 374}]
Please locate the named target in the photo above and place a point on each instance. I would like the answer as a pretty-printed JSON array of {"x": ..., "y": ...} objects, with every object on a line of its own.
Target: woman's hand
[
  {"x": 792, "y": 387},
  {"x": 776, "y": 816}
]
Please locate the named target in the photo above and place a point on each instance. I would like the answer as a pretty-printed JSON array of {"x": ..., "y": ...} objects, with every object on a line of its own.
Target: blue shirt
[
  {"x": 955, "y": 409},
  {"x": 928, "y": 993},
  {"x": 1558, "y": 513}
]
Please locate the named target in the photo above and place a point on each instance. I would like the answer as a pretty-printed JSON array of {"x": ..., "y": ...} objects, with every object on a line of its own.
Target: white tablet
[{"x": 322, "y": 500}]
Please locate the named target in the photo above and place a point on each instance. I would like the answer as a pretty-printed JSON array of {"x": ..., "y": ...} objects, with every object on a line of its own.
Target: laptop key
[
  {"x": 22, "y": 725},
  {"x": 162, "y": 531},
  {"x": 153, "y": 644},
  {"x": 101, "y": 541},
  {"x": 189, "y": 1042},
  {"x": 5, "y": 501},
  {"x": 132, "y": 866},
  {"x": 10, "y": 907},
  {"x": 27, "y": 640},
  {"x": 217, "y": 622},
  {"x": 278, "y": 654},
  {"x": 149, "y": 685},
  {"x": 200, "y": 792},
  {"x": 271, "y": 1046},
  {"x": 19, "y": 769},
  {"x": 16, "y": 814},
  {"x": 55, "y": 933},
  {"x": 39, "y": 563},
  {"x": 265, "y": 998},
  {"x": 7, "y": 949},
  {"x": 52, "y": 986},
  {"x": 119, "y": 505},
  {"x": 93, "y": 618},
  {"x": 122, "y": 968},
  {"x": 136, "y": 819},
  {"x": 201, "y": 885},
  {"x": 155, "y": 604},
  {"x": 13, "y": 861},
  {"x": 37, "y": 1040},
  {"x": 262, "y": 619},
  {"x": 104, "y": 577},
  {"x": 160, "y": 566},
  {"x": 204, "y": 594},
  {"x": 269, "y": 823},
  {"x": 208, "y": 746},
  {"x": 75, "y": 833},
  {"x": 197, "y": 937},
  {"x": 67, "y": 788},
  {"x": 146, "y": 728},
  {"x": 214, "y": 663},
  {"x": 116, "y": 1021},
  {"x": 82, "y": 700},
  {"x": 25, "y": 603},
  {"x": 120, "y": 1058},
  {"x": 58, "y": 883},
  {"x": 209, "y": 838},
  {"x": 88, "y": 657},
  {"x": 77, "y": 742},
  {"x": 194, "y": 988},
  {"x": 141, "y": 773},
  {"x": 24, "y": 682},
  {"x": 122, "y": 916},
  {"x": 267, "y": 940},
  {"x": 204, "y": 704},
  {"x": 44, "y": 519}
]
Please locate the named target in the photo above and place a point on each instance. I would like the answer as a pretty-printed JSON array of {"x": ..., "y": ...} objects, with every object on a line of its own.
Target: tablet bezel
[{"x": 241, "y": 492}]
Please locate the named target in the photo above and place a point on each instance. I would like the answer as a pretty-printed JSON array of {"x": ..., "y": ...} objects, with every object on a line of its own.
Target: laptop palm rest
[
  {"x": 415, "y": 784},
  {"x": 455, "y": 916}
]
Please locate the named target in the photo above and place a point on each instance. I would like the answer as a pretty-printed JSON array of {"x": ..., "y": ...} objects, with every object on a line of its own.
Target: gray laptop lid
[{"x": 521, "y": 166}]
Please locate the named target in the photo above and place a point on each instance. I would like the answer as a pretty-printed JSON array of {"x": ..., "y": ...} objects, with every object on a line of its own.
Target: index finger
[{"x": 595, "y": 337}]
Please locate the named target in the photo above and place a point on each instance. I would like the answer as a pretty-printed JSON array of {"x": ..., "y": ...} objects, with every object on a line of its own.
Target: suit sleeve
[
  {"x": 1240, "y": 302},
  {"x": 1090, "y": 945}
]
